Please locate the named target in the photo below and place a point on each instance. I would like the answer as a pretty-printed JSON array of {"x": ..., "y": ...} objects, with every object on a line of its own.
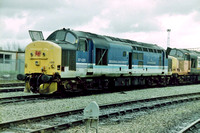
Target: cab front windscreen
[{"x": 62, "y": 35}]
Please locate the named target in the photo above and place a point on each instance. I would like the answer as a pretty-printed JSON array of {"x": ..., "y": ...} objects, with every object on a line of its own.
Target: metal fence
[{"x": 10, "y": 68}]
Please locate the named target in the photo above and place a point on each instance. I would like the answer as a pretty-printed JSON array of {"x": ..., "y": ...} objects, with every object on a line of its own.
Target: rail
[
  {"x": 63, "y": 120},
  {"x": 192, "y": 128}
]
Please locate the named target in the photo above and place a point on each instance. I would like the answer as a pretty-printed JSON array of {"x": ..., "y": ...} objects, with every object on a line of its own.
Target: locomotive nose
[{"x": 42, "y": 57}]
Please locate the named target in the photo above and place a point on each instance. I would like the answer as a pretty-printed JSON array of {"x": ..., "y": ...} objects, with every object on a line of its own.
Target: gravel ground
[
  {"x": 165, "y": 120},
  {"x": 19, "y": 110}
]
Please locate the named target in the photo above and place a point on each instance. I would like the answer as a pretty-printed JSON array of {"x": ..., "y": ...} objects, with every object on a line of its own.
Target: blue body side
[{"x": 118, "y": 58}]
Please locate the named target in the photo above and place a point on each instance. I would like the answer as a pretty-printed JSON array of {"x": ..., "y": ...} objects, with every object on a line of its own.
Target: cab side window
[{"x": 70, "y": 38}]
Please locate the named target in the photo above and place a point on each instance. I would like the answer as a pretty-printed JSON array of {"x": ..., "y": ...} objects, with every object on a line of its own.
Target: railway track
[
  {"x": 192, "y": 128},
  {"x": 63, "y": 120},
  {"x": 11, "y": 89},
  {"x": 11, "y": 84},
  {"x": 27, "y": 98}
]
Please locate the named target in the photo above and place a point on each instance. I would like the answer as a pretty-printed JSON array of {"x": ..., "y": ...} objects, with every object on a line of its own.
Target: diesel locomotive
[{"x": 70, "y": 60}]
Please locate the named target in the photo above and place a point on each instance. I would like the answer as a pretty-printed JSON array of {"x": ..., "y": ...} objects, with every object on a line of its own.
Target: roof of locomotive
[
  {"x": 109, "y": 39},
  {"x": 190, "y": 52},
  {"x": 105, "y": 41}
]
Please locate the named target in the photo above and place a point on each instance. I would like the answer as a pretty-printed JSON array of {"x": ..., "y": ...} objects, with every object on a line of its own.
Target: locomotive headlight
[
  {"x": 43, "y": 54},
  {"x": 37, "y": 63},
  {"x": 43, "y": 69}
]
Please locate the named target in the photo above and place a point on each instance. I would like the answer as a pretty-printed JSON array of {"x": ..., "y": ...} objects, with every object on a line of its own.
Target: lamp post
[{"x": 168, "y": 37}]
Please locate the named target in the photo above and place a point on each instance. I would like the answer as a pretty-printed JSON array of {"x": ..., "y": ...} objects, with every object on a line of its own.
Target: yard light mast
[{"x": 168, "y": 37}]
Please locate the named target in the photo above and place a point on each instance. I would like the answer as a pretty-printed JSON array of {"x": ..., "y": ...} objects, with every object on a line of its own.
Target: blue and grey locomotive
[{"x": 71, "y": 60}]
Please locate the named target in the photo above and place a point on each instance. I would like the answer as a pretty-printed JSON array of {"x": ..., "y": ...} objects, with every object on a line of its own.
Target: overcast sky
[{"x": 139, "y": 20}]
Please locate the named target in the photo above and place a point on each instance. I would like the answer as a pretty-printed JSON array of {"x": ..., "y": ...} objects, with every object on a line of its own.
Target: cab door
[
  {"x": 90, "y": 53},
  {"x": 130, "y": 61}
]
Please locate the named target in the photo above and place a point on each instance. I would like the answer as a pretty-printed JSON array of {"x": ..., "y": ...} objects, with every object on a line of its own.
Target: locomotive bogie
[
  {"x": 48, "y": 88},
  {"x": 27, "y": 87}
]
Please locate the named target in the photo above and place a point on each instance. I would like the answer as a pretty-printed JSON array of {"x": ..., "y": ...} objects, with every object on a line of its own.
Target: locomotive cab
[
  {"x": 179, "y": 62},
  {"x": 46, "y": 61},
  {"x": 42, "y": 65},
  {"x": 68, "y": 43}
]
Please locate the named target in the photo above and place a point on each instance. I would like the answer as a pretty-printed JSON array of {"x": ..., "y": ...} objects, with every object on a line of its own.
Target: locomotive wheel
[{"x": 68, "y": 86}]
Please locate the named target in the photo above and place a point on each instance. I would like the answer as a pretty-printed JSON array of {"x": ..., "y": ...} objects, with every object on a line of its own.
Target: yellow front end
[
  {"x": 42, "y": 58},
  {"x": 175, "y": 65},
  {"x": 180, "y": 67}
]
